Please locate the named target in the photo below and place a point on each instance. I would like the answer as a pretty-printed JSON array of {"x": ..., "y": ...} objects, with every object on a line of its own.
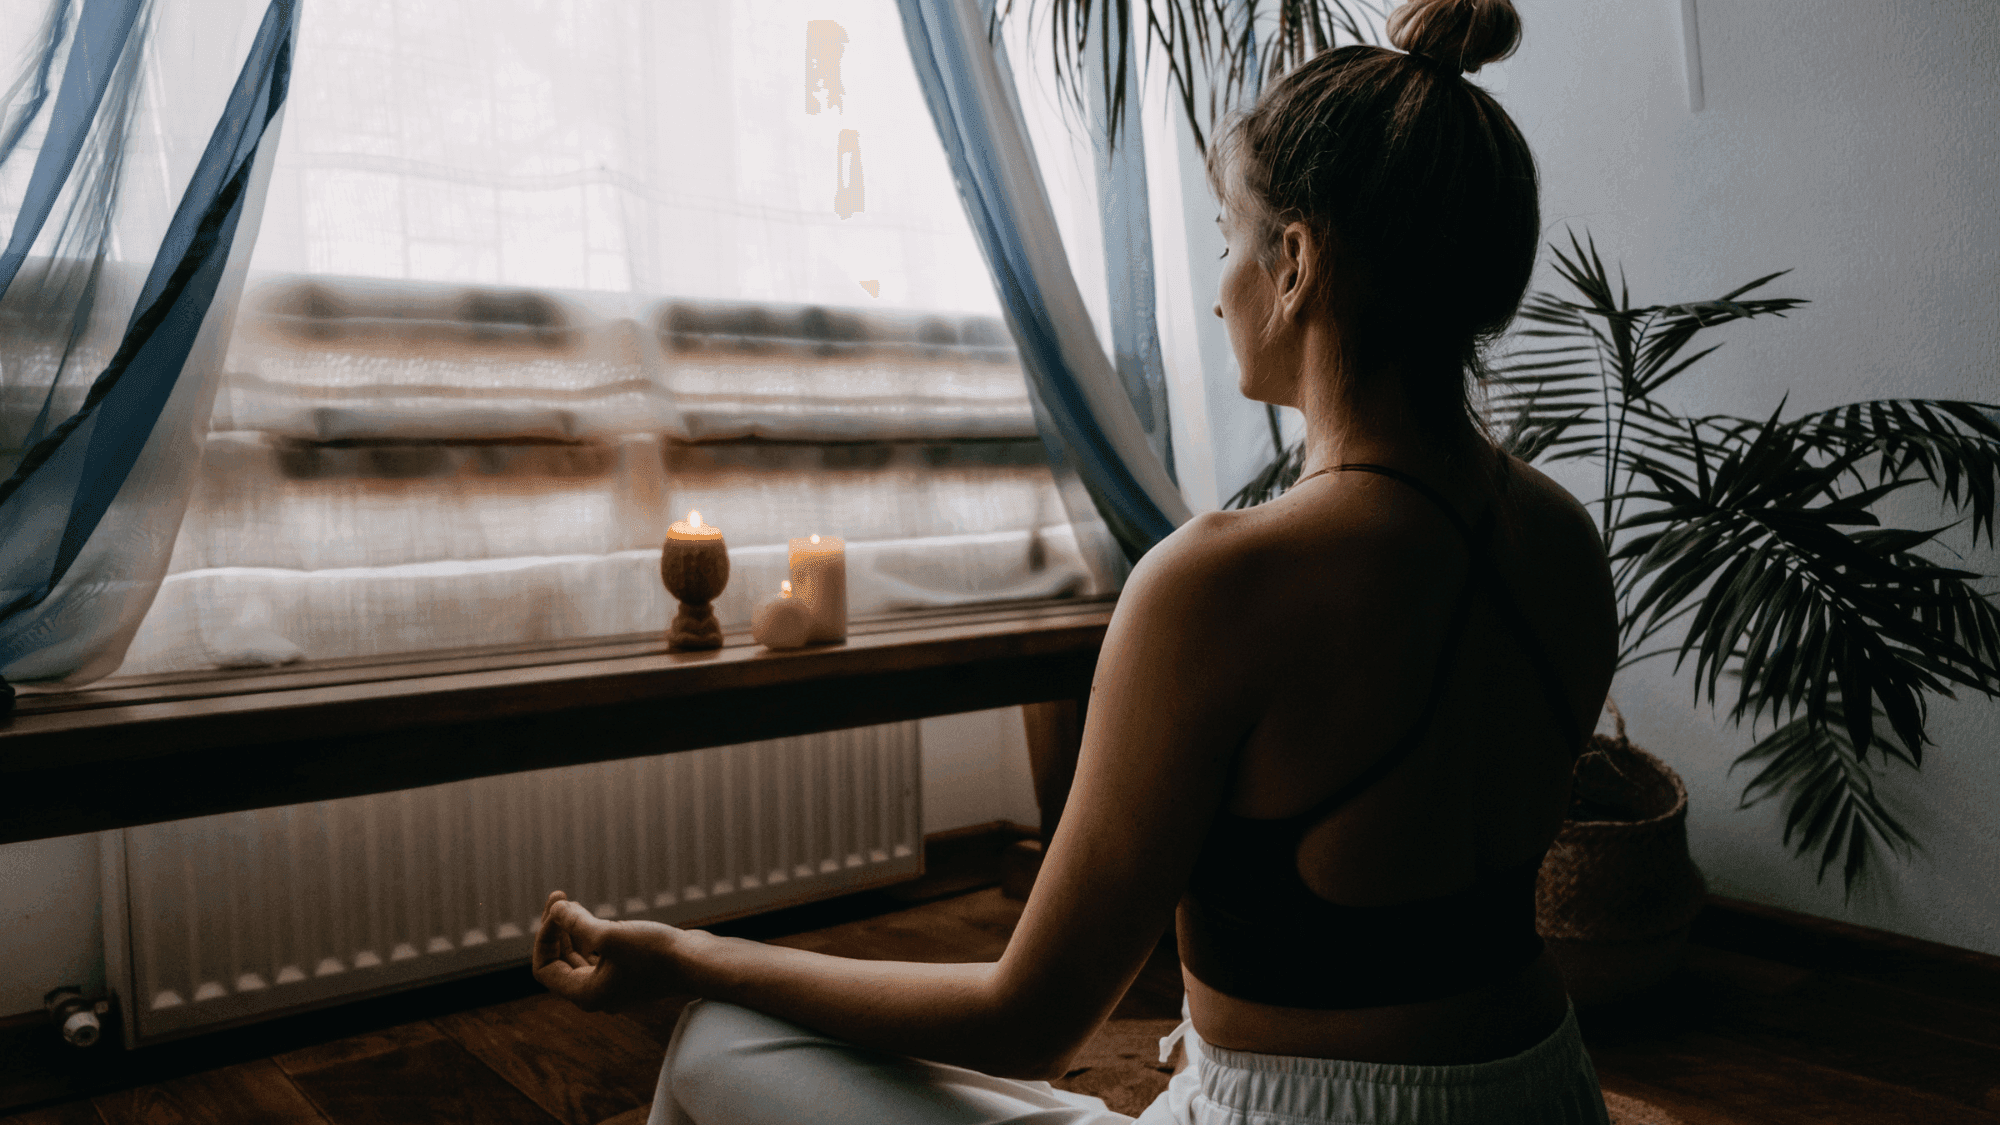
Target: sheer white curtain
[
  {"x": 663, "y": 147},
  {"x": 536, "y": 278},
  {"x": 134, "y": 154}
]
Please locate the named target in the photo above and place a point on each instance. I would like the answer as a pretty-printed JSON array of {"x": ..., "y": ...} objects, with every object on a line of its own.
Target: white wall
[
  {"x": 1854, "y": 143},
  {"x": 975, "y": 770},
  {"x": 48, "y": 920}
]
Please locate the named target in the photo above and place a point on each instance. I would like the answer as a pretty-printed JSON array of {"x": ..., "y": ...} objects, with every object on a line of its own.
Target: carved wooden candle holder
[{"x": 694, "y": 564}]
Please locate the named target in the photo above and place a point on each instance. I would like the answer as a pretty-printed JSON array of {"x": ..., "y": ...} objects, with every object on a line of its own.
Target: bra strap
[
  {"x": 1461, "y": 613},
  {"x": 1457, "y": 521},
  {"x": 1510, "y": 611},
  {"x": 1545, "y": 669}
]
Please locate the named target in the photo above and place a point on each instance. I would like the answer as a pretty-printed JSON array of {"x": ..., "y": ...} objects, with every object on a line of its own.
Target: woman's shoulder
[
  {"x": 1365, "y": 531},
  {"x": 1336, "y": 538},
  {"x": 1554, "y": 561},
  {"x": 1208, "y": 553},
  {"x": 1537, "y": 497},
  {"x": 1242, "y": 595},
  {"x": 1550, "y": 531}
]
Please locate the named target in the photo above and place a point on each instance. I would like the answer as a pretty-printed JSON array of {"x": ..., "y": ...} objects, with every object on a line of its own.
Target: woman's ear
[{"x": 1298, "y": 270}]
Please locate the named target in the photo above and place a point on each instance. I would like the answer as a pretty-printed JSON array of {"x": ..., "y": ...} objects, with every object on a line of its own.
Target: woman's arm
[{"x": 1172, "y": 697}]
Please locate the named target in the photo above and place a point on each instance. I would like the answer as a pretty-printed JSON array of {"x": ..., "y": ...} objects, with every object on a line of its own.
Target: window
[{"x": 534, "y": 279}]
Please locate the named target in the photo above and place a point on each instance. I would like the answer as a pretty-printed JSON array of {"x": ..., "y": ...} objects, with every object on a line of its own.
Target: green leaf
[
  {"x": 1828, "y": 794},
  {"x": 1219, "y": 46},
  {"x": 1954, "y": 445},
  {"x": 1855, "y": 675},
  {"x": 1272, "y": 480}
]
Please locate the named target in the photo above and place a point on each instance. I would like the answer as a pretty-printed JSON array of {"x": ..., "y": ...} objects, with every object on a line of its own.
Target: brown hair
[{"x": 1418, "y": 175}]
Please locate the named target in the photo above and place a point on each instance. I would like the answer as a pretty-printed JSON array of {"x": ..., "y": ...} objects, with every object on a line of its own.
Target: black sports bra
[{"x": 1249, "y": 927}]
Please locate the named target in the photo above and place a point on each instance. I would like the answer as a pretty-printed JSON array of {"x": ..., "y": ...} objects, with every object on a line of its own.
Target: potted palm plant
[{"x": 1752, "y": 539}]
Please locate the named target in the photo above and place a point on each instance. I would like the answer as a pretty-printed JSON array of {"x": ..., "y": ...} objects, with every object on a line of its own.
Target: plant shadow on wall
[{"x": 1755, "y": 537}]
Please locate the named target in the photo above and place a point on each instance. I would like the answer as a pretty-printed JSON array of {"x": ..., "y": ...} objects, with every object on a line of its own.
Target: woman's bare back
[{"x": 1367, "y": 571}]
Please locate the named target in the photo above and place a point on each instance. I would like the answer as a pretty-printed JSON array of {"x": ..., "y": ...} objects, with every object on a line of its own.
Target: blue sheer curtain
[
  {"x": 1128, "y": 256},
  {"x": 109, "y": 364},
  {"x": 1101, "y": 449}
]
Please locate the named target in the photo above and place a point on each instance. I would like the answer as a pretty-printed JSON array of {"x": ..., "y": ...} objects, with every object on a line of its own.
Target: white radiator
[{"x": 227, "y": 919}]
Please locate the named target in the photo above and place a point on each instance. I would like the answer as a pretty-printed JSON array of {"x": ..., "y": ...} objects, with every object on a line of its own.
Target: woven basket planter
[{"x": 1618, "y": 889}]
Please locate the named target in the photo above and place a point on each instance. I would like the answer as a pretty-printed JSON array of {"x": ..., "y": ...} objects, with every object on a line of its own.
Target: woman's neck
[{"x": 1377, "y": 426}]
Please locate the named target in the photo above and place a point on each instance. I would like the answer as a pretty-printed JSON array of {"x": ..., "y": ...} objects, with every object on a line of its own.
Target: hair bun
[{"x": 1464, "y": 34}]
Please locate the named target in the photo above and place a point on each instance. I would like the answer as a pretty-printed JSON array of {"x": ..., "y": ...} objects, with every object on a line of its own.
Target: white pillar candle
[{"x": 819, "y": 578}]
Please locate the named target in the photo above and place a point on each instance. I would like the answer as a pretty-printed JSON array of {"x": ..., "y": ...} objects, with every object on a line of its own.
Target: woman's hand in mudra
[{"x": 605, "y": 966}]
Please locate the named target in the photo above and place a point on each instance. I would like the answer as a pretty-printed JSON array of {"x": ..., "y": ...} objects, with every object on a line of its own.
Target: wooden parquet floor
[{"x": 1774, "y": 1020}]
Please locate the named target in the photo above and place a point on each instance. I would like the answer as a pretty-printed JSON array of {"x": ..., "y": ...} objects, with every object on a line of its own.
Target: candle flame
[
  {"x": 785, "y": 589},
  {"x": 815, "y": 540},
  {"x": 694, "y": 518}
]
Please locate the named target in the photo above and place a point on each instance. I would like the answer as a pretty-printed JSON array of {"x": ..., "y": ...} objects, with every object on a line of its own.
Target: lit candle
[
  {"x": 694, "y": 564},
  {"x": 819, "y": 574},
  {"x": 692, "y": 529},
  {"x": 783, "y": 622}
]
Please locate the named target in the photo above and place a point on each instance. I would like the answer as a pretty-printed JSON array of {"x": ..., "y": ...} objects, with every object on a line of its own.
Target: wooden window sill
[{"x": 140, "y": 750}]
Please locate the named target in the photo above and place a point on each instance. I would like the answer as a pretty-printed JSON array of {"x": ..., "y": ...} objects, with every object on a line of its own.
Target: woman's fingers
[
  {"x": 549, "y": 903},
  {"x": 583, "y": 987},
  {"x": 548, "y": 943},
  {"x": 585, "y": 929},
  {"x": 600, "y": 965},
  {"x": 564, "y": 971},
  {"x": 566, "y": 931},
  {"x": 560, "y": 959}
]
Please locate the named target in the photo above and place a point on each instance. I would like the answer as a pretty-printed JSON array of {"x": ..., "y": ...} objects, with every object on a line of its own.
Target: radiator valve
[{"x": 77, "y": 1017}]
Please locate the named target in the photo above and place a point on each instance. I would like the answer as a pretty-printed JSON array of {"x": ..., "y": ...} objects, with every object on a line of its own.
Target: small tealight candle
[
  {"x": 694, "y": 564},
  {"x": 819, "y": 574},
  {"x": 782, "y": 622}
]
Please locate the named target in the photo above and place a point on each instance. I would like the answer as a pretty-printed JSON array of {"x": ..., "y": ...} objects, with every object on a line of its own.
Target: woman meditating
[{"x": 1330, "y": 737}]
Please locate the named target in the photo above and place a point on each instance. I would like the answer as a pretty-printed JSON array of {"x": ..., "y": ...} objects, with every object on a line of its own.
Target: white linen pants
[{"x": 728, "y": 1065}]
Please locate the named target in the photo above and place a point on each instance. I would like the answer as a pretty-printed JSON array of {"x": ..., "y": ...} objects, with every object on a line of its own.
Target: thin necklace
[
  {"x": 1317, "y": 472},
  {"x": 1311, "y": 475}
]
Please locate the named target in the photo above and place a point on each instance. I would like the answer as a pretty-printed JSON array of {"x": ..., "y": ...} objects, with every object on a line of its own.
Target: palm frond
[
  {"x": 1271, "y": 481},
  {"x": 1792, "y": 598},
  {"x": 1753, "y": 540},
  {"x": 1541, "y": 392},
  {"x": 1223, "y": 49},
  {"x": 1828, "y": 794},
  {"x": 1954, "y": 445},
  {"x": 1674, "y": 326}
]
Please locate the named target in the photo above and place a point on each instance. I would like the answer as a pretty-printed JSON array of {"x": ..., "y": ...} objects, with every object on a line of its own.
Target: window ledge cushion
[{"x": 201, "y": 616}]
